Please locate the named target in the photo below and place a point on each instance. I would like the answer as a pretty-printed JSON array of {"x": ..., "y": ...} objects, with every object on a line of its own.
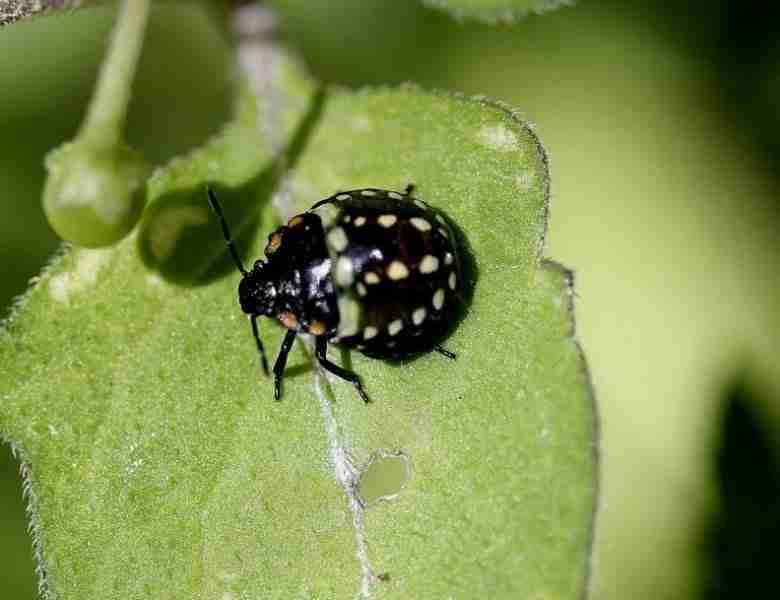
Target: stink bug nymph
[{"x": 369, "y": 269}]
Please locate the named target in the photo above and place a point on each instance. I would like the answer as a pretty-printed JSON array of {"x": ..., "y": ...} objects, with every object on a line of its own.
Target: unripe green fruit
[{"x": 93, "y": 197}]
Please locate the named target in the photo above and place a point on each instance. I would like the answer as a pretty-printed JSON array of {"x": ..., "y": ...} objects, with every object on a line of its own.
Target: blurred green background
[{"x": 661, "y": 122}]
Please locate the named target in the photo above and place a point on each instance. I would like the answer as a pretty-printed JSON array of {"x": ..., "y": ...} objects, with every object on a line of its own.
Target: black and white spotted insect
[{"x": 369, "y": 269}]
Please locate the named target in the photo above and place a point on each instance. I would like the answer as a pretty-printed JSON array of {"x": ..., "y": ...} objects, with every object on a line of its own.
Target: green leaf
[
  {"x": 495, "y": 11},
  {"x": 160, "y": 467}
]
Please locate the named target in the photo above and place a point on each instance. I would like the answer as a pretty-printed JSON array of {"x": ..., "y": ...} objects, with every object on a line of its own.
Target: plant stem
[{"x": 107, "y": 110}]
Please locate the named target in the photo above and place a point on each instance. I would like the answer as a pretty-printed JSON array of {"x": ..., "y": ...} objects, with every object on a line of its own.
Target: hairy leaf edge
[{"x": 570, "y": 294}]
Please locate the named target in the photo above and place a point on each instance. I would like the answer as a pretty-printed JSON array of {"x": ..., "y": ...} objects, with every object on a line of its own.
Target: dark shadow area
[
  {"x": 180, "y": 238},
  {"x": 299, "y": 370},
  {"x": 742, "y": 543},
  {"x": 17, "y": 568}
]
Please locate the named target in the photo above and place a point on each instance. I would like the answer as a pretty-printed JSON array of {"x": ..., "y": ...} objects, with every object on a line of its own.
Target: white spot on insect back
[
  {"x": 429, "y": 264},
  {"x": 420, "y": 223},
  {"x": 328, "y": 213},
  {"x": 370, "y": 332},
  {"x": 418, "y": 316},
  {"x": 387, "y": 220},
  {"x": 368, "y": 192},
  {"x": 395, "y": 195},
  {"x": 344, "y": 271},
  {"x": 448, "y": 258},
  {"x": 453, "y": 281},
  {"x": 360, "y": 221},
  {"x": 438, "y": 299},
  {"x": 83, "y": 276},
  {"x": 337, "y": 239},
  {"x": 371, "y": 278},
  {"x": 397, "y": 270},
  {"x": 361, "y": 289},
  {"x": 349, "y": 316},
  {"x": 343, "y": 197},
  {"x": 498, "y": 137},
  {"x": 395, "y": 327}
]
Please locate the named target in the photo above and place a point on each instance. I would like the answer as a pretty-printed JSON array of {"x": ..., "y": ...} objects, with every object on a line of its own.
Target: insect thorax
[{"x": 298, "y": 267}]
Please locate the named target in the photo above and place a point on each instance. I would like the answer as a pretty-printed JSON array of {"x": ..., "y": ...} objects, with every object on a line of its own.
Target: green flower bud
[{"x": 94, "y": 195}]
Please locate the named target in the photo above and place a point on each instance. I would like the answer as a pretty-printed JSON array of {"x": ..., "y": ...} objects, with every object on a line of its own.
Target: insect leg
[
  {"x": 445, "y": 352},
  {"x": 281, "y": 361},
  {"x": 321, "y": 350},
  {"x": 260, "y": 349},
  {"x": 225, "y": 231}
]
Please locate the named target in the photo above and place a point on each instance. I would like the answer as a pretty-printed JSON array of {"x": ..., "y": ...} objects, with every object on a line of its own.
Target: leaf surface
[{"x": 158, "y": 464}]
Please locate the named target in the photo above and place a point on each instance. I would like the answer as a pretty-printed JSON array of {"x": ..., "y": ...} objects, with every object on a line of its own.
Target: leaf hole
[{"x": 384, "y": 477}]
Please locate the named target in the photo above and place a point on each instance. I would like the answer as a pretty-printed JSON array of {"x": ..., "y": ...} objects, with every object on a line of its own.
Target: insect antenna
[{"x": 225, "y": 231}]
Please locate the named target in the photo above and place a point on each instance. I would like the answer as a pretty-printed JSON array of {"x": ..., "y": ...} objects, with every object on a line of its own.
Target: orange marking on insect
[
  {"x": 295, "y": 221},
  {"x": 273, "y": 243},
  {"x": 289, "y": 320},
  {"x": 317, "y": 328}
]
